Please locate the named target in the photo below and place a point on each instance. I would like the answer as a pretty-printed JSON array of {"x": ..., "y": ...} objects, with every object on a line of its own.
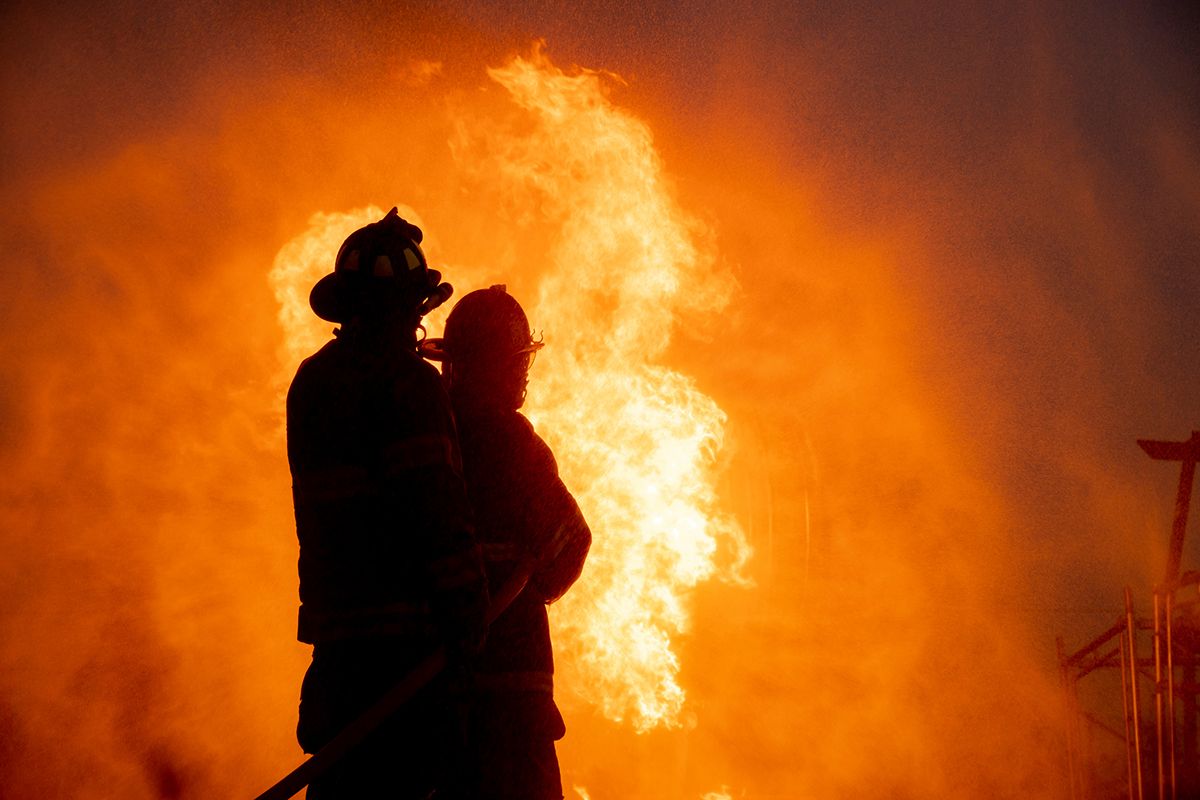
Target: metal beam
[{"x": 1187, "y": 453}]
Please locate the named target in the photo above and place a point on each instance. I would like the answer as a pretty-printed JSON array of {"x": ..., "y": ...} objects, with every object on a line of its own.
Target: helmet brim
[
  {"x": 328, "y": 298},
  {"x": 339, "y": 296}
]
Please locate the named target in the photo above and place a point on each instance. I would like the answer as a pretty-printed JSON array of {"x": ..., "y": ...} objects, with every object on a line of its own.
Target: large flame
[
  {"x": 965, "y": 244},
  {"x": 636, "y": 441}
]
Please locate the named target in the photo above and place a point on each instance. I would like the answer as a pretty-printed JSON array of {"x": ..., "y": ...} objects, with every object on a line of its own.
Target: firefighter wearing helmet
[
  {"x": 524, "y": 516},
  {"x": 389, "y": 565}
]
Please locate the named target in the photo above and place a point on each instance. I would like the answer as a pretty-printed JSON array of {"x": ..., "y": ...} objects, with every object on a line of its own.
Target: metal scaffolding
[{"x": 1161, "y": 755}]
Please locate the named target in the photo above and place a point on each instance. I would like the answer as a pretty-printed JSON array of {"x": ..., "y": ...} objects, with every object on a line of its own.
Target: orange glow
[
  {"x": 636, "y": 441},
  {"x": 851, "y": 319}
]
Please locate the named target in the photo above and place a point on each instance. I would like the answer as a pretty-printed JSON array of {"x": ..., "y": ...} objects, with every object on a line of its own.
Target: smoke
[
  {"x": 965, "y": 242},
  {"x": 987, "y": 303}
]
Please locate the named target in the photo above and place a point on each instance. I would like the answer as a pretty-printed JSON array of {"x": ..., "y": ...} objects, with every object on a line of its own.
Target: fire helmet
[
  {"x": 487, "y": 325},
  {"x": 378, "y": 268}
]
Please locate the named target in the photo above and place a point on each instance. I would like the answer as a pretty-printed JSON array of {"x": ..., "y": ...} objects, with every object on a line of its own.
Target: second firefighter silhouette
[{"x": 524, "y": 517}]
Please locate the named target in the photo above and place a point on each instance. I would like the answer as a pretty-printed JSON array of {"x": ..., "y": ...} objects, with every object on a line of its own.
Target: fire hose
[{"x": 400, "y": 693}]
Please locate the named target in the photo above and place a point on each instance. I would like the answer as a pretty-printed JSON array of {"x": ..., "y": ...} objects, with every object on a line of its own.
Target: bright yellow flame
[{"x": 636, "y": 441}]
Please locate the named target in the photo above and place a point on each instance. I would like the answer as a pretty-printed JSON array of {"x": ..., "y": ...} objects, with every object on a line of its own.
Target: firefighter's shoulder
[
  {"x": 534, "y": 447},
  {"x": 416, "y": 385}
]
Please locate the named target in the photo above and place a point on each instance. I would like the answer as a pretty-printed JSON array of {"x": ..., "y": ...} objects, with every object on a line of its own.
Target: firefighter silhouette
[
  {"x": 389, "y": 565},
  {"x": 525, "y": 519}
]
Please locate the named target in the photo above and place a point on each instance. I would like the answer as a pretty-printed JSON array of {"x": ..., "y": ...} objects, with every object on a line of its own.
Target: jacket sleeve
[
  {"x": 423, "y": 471},
  {"x": 561, "y": 537}
]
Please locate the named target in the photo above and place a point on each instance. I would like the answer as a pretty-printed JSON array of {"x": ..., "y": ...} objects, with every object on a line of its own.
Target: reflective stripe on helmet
[
  {"x": 412, "y": 259},
  {"x": 383, "y": 267},
  {"x": 376, "y": 251}
]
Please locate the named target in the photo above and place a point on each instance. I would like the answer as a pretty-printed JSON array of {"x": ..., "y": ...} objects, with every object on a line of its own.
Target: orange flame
[{"x": 637, "y": 442}]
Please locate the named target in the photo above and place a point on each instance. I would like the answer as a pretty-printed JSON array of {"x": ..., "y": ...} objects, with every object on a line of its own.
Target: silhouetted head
[
  {"x": 380, "y": 274},
  {"x": 487, "y": 350}
]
